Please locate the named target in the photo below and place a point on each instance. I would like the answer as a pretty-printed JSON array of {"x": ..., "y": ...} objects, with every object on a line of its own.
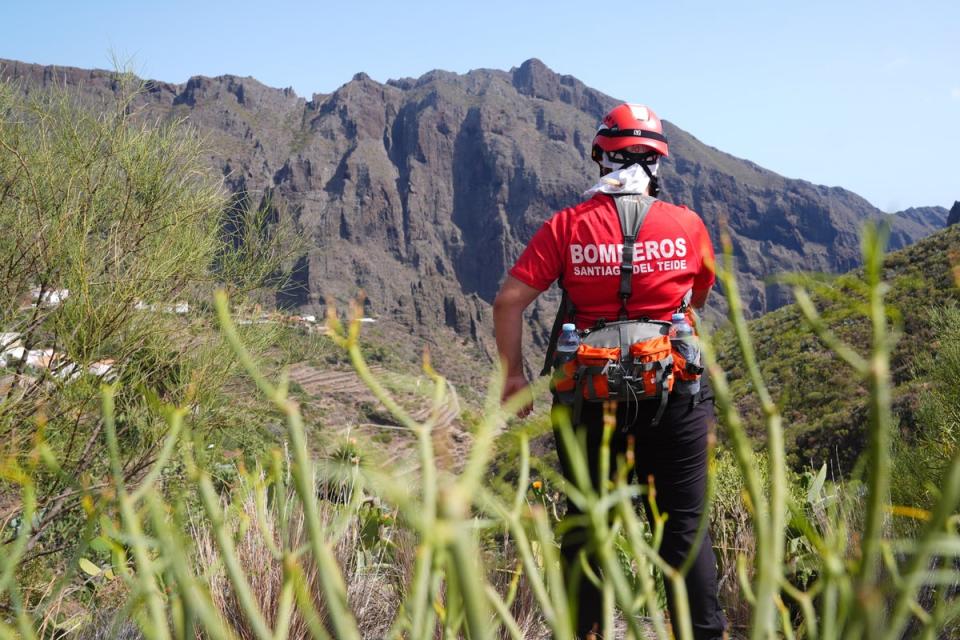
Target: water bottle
[
  {"x": 685, "y": 343},
  {"x": 567, "y": 344},
  {"x": 569, "y": 340}
]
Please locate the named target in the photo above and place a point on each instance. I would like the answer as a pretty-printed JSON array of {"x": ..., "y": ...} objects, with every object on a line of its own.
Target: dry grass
[
  {"x": 524, "y": 607},
  {"x": 734, "y": 539},
  {"x": 374, "y": 581}
]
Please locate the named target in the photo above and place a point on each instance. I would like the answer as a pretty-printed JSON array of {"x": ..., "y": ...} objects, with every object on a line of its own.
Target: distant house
[
  {"x": 49, "y": 298},
  {"x": 13, "y": 354},
  {"x": 9, "y": 357},
  {"x": 103, "y": 369},
  {"x": 71, "y": 371},
  {"x": 9, "y": 341},
  {"x": 179, "y": 308},
  {"x": 37, "y": 359},
  {"x": 41, "y": 358}
]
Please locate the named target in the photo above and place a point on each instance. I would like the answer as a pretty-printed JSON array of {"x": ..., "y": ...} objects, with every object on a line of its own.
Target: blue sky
[{"x": 864, "y": 95}]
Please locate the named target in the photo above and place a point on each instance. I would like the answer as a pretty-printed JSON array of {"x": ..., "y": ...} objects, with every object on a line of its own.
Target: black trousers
[{"x": 674, "y": 454}]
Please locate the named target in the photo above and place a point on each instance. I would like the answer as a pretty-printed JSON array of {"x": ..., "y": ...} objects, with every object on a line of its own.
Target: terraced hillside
[{"x": 344, "y": 410}]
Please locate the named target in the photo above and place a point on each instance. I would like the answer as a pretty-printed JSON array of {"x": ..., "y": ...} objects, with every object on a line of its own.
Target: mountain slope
[
  {"x": 824, "y": 408},
  {"x": 422, "y": 191}
]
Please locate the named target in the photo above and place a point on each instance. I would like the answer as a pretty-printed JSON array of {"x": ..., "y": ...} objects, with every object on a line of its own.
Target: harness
[{"x": 629, "y": 360}]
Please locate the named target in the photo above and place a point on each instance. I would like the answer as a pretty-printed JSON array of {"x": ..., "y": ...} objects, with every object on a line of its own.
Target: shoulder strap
[
  {"x": 632, "y": 211},
  {"x": 564, "y": 311}
]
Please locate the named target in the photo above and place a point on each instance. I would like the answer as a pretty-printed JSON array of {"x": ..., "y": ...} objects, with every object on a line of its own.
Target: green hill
[{"x": 824, "y": 407}]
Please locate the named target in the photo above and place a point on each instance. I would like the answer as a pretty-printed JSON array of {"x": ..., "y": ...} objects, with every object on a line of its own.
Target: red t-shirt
[{"x": 582, "y": 245}]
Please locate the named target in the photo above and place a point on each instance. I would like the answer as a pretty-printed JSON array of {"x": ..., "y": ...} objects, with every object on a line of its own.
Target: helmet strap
[
  {"x": 654, "y": 181},
  {"x": 626, "y": 159}
]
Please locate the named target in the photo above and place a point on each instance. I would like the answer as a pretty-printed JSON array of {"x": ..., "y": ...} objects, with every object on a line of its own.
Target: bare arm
[
  {"x": 699, "y": 297},
  {"x": 513, "y": 298}
]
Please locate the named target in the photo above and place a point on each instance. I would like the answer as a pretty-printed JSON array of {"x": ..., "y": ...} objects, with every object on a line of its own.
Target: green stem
[
  {"x": 15, "y": 551},
  {"x": 641, "y": 552},
  {"x": 934, "y": 528},
  {"x": 196, "y": 600},
  {"x": 422, "y": 602},
  {"x": 285, "y": 609},
  {"x": 146, "y": 577},
  {"x": 471, "y": 587},
  {"x": 770, "y": 517},
  {"x": 523, "y": 482},
  {"x": 551, "y": 563},
  {"x": 806, "y": 605},
  {"x": 504, "y": 613},
  {"x": 305, "y": 603},
  {"x": 827, "y": 337},
  {"x": 616, "y": 589},
  {"x": 174, "y": 423},
  {"x": 881, "y": 418}
]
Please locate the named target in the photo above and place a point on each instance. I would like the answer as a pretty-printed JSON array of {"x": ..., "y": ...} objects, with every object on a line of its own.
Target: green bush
[
  {"x": 113, "y": 244},
  {"x": 923, "y": 457}
]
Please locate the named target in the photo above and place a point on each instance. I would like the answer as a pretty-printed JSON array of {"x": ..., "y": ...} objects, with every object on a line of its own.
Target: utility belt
[{"x": 628, "y": 361}]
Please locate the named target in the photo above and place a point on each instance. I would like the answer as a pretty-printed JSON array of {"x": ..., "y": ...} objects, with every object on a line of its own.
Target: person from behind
[{"x": 629, "y": 265}]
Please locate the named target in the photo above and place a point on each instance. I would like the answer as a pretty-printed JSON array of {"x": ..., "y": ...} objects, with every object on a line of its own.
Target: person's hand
[{"x": 513, "y": 385}]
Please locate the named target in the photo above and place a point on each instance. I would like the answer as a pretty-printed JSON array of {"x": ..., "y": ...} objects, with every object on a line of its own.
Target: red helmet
[{"x": 627, "y": 125}]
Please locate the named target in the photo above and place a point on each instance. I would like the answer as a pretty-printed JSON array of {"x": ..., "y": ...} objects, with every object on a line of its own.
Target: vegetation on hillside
[
  {"x": 114, "y": 240},
  {"x": 343, "y": 550},
  {"x": 922, "y": 456},
  {"x": 825, "y": 407}
]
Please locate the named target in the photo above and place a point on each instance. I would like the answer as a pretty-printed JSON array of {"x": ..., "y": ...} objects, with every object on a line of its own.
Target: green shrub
[
  {"x": 113, "y": 242},
  {"x": 923, "y": 457}
]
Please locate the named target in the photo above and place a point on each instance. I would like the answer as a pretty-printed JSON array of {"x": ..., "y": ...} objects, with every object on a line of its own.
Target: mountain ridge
[
  {"x": 403, "y": 83},
  {"x": 422, "y": 191}
]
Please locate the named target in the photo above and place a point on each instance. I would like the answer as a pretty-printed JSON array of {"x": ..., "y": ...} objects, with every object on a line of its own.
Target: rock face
[
  {"x": 422, "y": 191},
  {"x": 954, "y": 216},
  {"x": 925, "y": 216}
]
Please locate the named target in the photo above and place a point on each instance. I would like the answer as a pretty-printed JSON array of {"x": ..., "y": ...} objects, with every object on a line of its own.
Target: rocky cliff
[
  {"x": 422, "y": 191},
  {"x": 954, "y": 215}
]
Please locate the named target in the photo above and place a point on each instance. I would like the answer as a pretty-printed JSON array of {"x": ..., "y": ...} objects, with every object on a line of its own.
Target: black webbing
[
  {"x": 578, "y": 398},
  {"x": 654, "y": 181},
  {"x": 626, "y": 272},
  {"x": 564, "y": 312},
  {"x": 631, "y": 133},
  {"x": 632, "y": 211},
  {"x": 663, "y": 403}
]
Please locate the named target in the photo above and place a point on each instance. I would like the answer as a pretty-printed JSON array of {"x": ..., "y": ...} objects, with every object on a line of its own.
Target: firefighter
[{"x": 673, "y": 268}]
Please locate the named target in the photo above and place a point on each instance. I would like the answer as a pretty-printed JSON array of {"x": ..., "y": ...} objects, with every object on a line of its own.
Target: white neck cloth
[{"x": 633, "y": 179}]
